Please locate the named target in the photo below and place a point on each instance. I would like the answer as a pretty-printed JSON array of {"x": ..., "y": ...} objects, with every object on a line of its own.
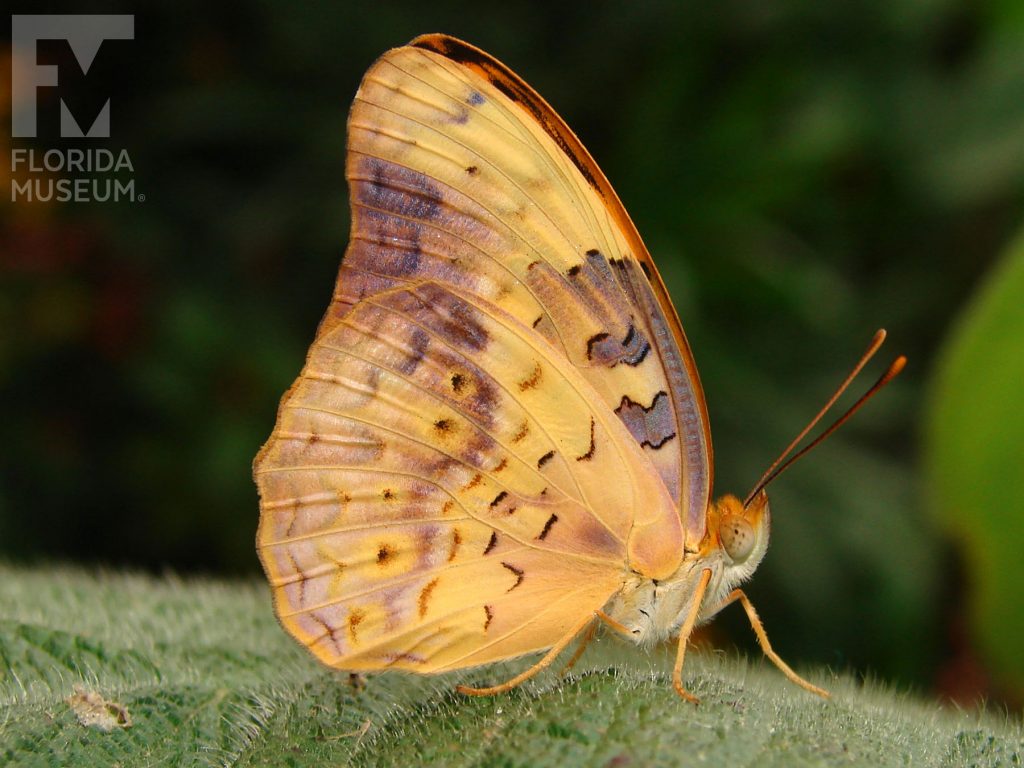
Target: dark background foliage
[{"x": 803, "y": 173}]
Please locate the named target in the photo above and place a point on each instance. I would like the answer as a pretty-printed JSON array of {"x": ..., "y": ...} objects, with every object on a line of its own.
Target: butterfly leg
[
  {"x": 762, "y": 639},
  {"x": 618, "y": 626},
  {"x": 522, "y": 677},
  {"x": 684, "y": 637},
  {"x": 588, "y": 635}
]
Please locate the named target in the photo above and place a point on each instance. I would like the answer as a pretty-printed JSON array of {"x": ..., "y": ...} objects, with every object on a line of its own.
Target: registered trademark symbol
[{"x": 142, "y": 197}]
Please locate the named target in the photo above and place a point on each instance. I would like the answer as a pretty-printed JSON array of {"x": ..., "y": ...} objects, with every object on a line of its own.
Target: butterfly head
[{"x": 742, "y": 533}]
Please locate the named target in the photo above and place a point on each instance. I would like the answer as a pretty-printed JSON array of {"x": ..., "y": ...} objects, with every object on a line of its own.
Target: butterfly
[{"x": 499, "y": 440}]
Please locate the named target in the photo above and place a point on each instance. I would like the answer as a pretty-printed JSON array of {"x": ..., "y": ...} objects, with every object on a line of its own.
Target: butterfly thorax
[{"x": 735, "y": 543}]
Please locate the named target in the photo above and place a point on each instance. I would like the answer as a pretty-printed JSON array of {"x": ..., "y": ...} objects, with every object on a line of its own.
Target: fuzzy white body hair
[{"x": 653, "y": 611}]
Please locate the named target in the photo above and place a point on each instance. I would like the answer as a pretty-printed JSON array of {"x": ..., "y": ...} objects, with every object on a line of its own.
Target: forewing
[
  {"x": 443, "y": 489},
  {"x": 460, "y": 174}
]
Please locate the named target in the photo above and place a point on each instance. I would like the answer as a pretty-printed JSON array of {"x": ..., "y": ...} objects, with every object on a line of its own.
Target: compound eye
[{"x": 737, "y": 537}]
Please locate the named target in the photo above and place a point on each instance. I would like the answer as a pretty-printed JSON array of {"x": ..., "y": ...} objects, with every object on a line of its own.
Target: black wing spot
[
  {"x": 639, "y": 357},
  {"x": 547, "y": 527},
  {"x": 499, "y": 498},
  {"x": 650, "y": 425},
  {"x": 492, "y": 543},
  {"x": 590, "y": 452},
  {"x": 545, "y": 459},
  {"x": 597, "y": 338},
  {"x": 517, "y": 571},
  {"x": 656, "y": 445},
  {"x": 632, "y": 350},
  {"x": 629, "y": 335},
  {"x": 628, "y": 403},
  {"x": 573, "y": 270}
]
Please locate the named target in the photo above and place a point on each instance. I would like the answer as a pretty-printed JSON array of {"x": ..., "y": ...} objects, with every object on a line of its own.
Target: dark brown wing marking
[
  {"x": 547, "y": 527},
  {"x": 590, "y": 451},
  {"x": 393, "y": 204},
  {"x": 533, "y": 379},
  {"x": 492, "y": 542},
  {"x": 517, "y": 571},
  {"x": 653, "y": 425},
  {"x": 503, "y": 503},
  {"x": 456, "y": 542},
  {"x": 521, "y": 433},
  {"x": 632, "y": 350},
  {"x": 687, "y": 403}
]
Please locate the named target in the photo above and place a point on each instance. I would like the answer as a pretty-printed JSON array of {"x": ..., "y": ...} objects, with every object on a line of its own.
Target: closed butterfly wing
[
  {"x": 444, "y": 489},
  {"x": 461, "y": 175}
]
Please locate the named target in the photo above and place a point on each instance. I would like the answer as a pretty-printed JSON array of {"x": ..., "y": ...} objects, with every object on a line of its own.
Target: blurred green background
[{"x": 803, "y": 173}]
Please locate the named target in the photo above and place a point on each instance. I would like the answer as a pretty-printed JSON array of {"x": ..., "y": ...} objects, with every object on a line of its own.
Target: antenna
[{"x": 890, "y": 373}]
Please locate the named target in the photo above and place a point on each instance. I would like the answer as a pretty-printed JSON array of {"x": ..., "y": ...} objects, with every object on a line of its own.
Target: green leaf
[
  {"x": 207, "y": 678},
  {"x": 975, "y": 458}
]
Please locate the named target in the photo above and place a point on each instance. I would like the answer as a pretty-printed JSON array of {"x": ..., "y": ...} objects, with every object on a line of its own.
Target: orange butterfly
[{"x": 499, "y": 439}]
